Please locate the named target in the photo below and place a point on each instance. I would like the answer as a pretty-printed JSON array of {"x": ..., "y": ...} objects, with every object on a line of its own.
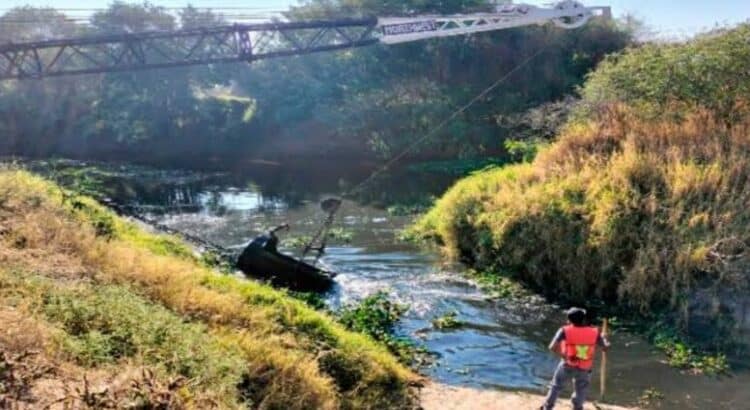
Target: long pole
[{"x": 603, "y": 370}]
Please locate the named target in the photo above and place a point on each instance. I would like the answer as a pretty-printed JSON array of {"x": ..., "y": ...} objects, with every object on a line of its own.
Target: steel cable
[{"x": 443, "y": 123}]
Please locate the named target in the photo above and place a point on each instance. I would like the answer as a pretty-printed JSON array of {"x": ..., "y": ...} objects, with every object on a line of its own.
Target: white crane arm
[{"x": 566, "y": 14}]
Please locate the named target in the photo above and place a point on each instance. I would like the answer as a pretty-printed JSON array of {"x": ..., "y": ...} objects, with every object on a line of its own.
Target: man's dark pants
[{"x": 563, "y": 374}]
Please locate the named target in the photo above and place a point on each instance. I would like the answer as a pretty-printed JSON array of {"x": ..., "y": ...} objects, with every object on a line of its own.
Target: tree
[{"x": 364, "y": 102}]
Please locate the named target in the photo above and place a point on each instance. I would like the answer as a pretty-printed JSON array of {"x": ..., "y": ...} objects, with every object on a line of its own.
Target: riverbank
[
  {"x": 99, "y": 311},
  {"x": 639, "y": 206},
  {"x": 618, "y": 213},
  {"x": 436, "y": 396}
]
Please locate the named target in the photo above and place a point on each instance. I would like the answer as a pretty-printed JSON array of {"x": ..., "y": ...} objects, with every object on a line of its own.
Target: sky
[{"x": 668, "y": 18}]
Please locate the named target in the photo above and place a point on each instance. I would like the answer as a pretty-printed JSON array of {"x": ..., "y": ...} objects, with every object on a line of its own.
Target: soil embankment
[{"x": 96, "y": 297}]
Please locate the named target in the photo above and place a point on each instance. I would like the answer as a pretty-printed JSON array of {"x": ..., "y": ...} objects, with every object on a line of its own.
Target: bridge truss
[{"x": 148, "y": 50}]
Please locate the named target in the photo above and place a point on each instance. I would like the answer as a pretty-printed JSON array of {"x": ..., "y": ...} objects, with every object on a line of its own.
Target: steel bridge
[{"x": 161, "y": 49}]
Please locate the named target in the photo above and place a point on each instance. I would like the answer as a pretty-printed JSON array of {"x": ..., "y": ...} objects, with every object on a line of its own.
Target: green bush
[
  {"x": 296, "y": 241},
  {"x": 499, "y": 285},
  {"x": 340, "y": 235},
  {"x": 312, "y": 299},
  {"x": 682, "y": 355},
  {"x": 447, "y": 321},
  {"x": 376, "y": 316},
  {"x": 102, "y": 221},
  {"x": 522, "y": 150},
  {"x": 710, "y": 72}
]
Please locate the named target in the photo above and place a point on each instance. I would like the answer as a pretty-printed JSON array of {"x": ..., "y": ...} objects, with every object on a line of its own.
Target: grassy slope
[
  {"x": 111, "y": 298},
  {"x": 642, "y": 201}
]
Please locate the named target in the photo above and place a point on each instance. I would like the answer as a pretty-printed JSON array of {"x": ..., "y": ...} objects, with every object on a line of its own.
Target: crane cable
[
  {"x": 445, "y": 122},
  {"x": 329, "y": 220}
]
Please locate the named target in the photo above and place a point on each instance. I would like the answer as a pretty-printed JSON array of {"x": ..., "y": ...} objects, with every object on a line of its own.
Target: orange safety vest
[{"x": 579, "y": 346}]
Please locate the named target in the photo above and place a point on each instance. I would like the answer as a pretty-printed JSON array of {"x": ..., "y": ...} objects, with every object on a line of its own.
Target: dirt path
[{"x": 436, "y": 396}]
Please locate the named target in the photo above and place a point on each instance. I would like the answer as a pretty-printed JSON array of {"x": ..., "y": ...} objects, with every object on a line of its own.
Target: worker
[{"x": 576, "y": 344}]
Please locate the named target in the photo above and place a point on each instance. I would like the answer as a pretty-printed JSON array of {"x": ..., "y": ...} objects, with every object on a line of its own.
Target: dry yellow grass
[
  {"x": 35, "y": 376},
  {"x": 284, "y": 343},
  {"x": 648, "y": 212}
]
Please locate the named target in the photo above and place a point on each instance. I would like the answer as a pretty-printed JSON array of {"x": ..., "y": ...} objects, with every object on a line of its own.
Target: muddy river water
[{"x": 502, "y": 344}]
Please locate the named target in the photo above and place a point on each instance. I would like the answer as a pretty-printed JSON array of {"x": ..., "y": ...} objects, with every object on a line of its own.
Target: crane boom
[
  {"x": 237, "y": 43},
  {"x": 565, "y": 14}
]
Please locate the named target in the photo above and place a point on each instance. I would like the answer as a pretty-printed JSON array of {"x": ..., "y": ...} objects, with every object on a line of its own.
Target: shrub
[
  {"x": 710, "y": 71},
  {"x": 376, "y": 316},
  {"x": 648, "y": 213},
  {"x": 446, "y": 321}
]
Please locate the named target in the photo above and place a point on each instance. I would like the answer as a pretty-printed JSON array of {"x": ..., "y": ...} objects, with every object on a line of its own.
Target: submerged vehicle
[
  {"x": 262, "y": 259},
  {"x": 259, "y": 260}
]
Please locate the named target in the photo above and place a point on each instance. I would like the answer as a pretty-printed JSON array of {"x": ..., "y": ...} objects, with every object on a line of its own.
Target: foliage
[
  {"x": 650, "y": 397},
  {"x": 411, "y": 206},
  {"x": 83, "y": 180},
  {"x": 682, "y": 355},
  {"x": 110, "y": 323},
  {"x": 403, "y": 210},
  {"x": 216, "y": 260},
  {"x": 447, "y": 321},
  {"x": 296, "y": 242},
  {"x": 459, "y": 167},
  {"x": 640, "y": 203},
  {"x": 541, "y": 123},
  {"x": 710, "y": 72},
  {"x": 377, "y": 316},
  {"x": 532, "y": 130},
  {"x": 340, "y": 235},
  {"x": 522, "y": 150},
  {"x": 131, "y": 295},
  {"x": 366, "y": 102},
  {"x": 50, "y": 23},
  {"x": 336, "y": 235},
  {"x": 499, "y": 285},
  {"x": 314, "y": 300}
]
